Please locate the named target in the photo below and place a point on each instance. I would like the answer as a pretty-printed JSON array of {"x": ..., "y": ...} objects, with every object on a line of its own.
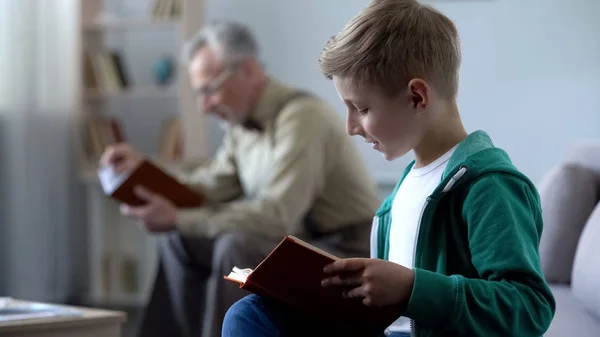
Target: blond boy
[{"x": 454, "y": 249}]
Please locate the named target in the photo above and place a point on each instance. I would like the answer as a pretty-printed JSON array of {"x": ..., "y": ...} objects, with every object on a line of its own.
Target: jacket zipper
[
  {"x": 459, "y": 174},
  {"x": 412, "y": 328}
]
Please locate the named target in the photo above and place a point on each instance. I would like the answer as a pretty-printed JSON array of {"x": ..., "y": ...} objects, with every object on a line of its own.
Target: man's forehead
[{"x": 206, "y": 61}]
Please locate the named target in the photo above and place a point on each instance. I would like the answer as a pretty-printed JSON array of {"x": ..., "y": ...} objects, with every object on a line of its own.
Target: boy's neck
[{"x": 444, "y": 132}]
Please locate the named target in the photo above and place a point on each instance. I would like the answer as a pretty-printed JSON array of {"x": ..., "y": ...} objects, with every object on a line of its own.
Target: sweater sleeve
[
  {"x": 511, "y": 297},
  {"x": 218, "y": 179},
  {"x": 298, "y": 175}
]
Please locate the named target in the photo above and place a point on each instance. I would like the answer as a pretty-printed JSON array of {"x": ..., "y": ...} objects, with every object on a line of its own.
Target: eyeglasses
[{"x": 210, "y": 88}]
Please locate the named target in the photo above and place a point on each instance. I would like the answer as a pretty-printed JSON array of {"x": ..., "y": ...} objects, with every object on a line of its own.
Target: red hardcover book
[
  {"x": 148, "y": 175},
  {"x": 292, "y": 274}
]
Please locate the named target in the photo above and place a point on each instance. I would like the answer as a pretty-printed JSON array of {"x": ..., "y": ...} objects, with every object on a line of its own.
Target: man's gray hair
[{"x": 233, "y": 40}]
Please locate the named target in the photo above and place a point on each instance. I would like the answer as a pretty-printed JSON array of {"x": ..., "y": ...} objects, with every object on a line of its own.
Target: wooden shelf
[
  {"x": 131, "y": 24},
  {"x": 168, "y": 91}
]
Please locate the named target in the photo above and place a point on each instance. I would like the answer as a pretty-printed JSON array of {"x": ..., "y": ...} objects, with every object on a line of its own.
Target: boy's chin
[{"x": 389, "y": 156}]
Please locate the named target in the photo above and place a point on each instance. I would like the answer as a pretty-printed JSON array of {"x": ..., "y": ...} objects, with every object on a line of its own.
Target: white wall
[{"x": 530, "y": 75}]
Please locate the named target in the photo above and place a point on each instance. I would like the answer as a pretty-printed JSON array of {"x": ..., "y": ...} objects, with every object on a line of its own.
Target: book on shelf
[
  {"x": 166, "y": 9},
  {"x": 98, "y": 133},
  {"x": 104, "y": 71},
  {"x": 292, "y": 274},
  {"x": 121, "y": 186}
]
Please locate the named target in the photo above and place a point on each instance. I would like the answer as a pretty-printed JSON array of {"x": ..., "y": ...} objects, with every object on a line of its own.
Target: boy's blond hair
[{"x": 391, "y": 42}]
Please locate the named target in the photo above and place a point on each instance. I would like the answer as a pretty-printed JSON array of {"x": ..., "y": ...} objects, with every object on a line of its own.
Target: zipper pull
[{"x": 461, "y": 172}]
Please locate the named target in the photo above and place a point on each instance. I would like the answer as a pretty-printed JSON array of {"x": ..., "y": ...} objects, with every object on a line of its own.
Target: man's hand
[
  {"x": 122, "y": 157},
  {"x": 158, "y": 214},
  {"x": 377, "y": 282}
]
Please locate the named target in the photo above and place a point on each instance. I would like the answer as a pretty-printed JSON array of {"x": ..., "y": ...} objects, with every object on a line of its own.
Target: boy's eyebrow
[
  {"x": 354, "y": 101},
  {"x": 349, "y": 103}
]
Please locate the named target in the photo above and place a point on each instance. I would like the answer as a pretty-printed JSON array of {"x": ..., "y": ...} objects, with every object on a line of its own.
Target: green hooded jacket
[{"x": 476, "y": 262}]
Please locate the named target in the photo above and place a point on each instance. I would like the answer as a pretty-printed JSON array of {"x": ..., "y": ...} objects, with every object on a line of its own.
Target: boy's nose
[{"x": 353, "y": 129}]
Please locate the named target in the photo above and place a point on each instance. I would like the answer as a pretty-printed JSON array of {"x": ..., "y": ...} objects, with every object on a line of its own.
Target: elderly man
[{"x": 285, "y": 167}]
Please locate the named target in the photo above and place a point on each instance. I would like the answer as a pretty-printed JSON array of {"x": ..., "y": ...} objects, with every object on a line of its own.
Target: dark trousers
[{"x": 190, "y": 296}]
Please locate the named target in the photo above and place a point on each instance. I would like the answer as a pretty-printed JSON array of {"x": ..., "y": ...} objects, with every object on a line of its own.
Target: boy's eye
[{"x": 363, "y": 111}]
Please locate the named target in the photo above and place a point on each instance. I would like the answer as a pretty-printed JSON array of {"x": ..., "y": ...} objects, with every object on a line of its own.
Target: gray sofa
[{"x": 570, "y": 244}]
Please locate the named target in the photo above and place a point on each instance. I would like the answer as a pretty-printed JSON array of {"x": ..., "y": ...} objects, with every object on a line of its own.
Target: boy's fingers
[
  {"x": 358, "y": 292},
  {"x": 341, "y": 281},
  {"x": 346, "y": 265},
  {"x": 362, "y": 292}
]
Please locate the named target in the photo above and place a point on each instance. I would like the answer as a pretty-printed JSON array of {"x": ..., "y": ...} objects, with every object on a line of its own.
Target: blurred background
[{"x": 76, "y": 75}]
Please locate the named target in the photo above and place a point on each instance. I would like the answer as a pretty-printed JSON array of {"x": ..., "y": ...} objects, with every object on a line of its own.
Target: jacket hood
[{"x": 474, "y": 157}]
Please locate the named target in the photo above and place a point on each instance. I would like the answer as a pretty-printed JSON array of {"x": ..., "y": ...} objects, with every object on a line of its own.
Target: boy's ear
[{"x": 419, "y": 93}]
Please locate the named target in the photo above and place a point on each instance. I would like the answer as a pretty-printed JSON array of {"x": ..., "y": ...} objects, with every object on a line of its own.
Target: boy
[{"x": 455, "y": 247}]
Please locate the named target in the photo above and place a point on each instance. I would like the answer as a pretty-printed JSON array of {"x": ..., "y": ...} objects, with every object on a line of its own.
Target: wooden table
[{"x": 93, "y": 323}]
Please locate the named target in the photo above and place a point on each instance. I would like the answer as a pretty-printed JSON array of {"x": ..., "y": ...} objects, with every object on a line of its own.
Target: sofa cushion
[
  {"x": 586, "y": 267},
  {"x": 568, "y": 195},
  {"x": 586, "y": 153},
  {"x": 571, "y": 319}
]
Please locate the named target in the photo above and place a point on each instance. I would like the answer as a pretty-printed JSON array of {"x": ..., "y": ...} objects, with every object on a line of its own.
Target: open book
[
  {"x": 292, "y": 274},
  {"x": 121, "y": 186}
]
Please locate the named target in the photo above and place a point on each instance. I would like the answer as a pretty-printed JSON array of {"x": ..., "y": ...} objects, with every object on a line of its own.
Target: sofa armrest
[
  {"x": 586, "y": 153},
  {"x": 568, "y": 195}
]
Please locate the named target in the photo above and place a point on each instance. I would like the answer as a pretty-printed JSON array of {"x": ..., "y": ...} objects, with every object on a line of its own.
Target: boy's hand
[{"x": 378, "y": 282}]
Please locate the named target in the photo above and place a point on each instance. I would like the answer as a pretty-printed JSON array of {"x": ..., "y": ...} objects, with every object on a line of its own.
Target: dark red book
[
  {"x": 292, "y": 274},
  {"x": 150, "y": 176}
]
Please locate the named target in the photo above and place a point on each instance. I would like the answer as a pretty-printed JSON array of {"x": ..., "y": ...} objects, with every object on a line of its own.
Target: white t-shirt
[{"x": 407, "y": 207}]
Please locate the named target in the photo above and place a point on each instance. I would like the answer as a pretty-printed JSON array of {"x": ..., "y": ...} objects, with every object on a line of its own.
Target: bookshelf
[
  {"x": 138, "y": 92},
  {"x": 116, "y": 103},
  {"x": 118, "y": 24}
]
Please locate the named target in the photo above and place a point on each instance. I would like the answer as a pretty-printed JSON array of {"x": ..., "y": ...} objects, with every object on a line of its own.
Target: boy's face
[{"x": 393, "y": 125}]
